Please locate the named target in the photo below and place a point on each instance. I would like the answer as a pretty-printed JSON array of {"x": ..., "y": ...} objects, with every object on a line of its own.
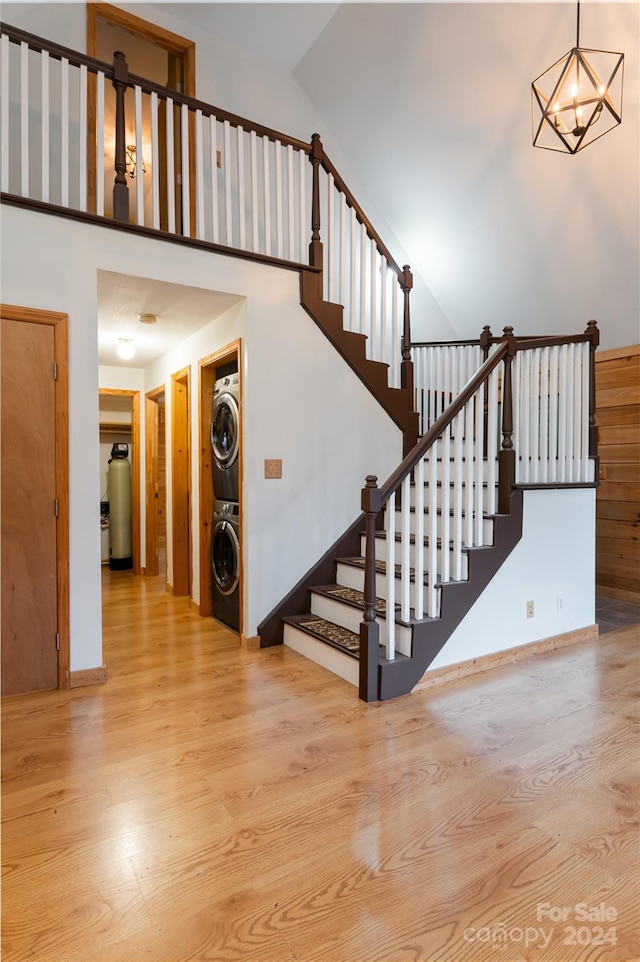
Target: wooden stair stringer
[
  {"x": 397, "y": 402},
  {"x": 457, "y": 598}
]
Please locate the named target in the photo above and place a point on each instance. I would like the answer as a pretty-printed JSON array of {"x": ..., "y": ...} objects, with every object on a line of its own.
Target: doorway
[
  {"x": 35, "y": 500},
  {"x": 120, "y": 421},
  {"x": 181, "y": 482},
  {"x": 157, "y": 55},
  {"x": 208, "y": 368},
  {"x": 156, "y": 483}
]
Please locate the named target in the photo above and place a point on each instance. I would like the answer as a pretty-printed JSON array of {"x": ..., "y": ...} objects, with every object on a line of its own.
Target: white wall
[
  {"x": 554, "y": 559},
  {"x": 301, "y": 402}
]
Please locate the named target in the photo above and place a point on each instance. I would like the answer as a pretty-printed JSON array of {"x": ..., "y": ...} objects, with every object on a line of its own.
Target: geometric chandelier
[{"x": 578, "y": 99}]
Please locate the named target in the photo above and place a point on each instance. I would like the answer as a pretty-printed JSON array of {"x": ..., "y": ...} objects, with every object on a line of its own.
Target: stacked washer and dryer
[{"x": 225, "y": 542}]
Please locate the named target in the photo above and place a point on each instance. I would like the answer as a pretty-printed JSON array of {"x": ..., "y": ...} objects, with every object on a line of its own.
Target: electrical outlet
[
  {"x": 273, "y": 468},
  {"x": 560, "y": 602},
  {"x": 529, "y": 609}
]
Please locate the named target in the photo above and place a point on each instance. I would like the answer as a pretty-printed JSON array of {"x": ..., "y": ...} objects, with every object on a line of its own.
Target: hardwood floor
[{"x": 210, "y": 803}]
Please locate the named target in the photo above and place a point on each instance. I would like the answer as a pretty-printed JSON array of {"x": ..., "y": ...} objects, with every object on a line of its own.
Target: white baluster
[
  {"x": 278, "y": 198},
  {"x": 4, "y": 158},
  {"x": 384, "y": 320},
  {"x": 363, "y": 328},
  {"x": 171, "y": 174},
  {"x": 458, "y": 491},
  {"x": 155, "y": 162},
  {"x": 100, "y": 144},
  {"x": 432, "y": 392},
  {"x": 534, "y": 414},
  {"x": 516, "y": 375},
  {"x": 304, "y": 218},
  {"x": 445, "y": 501},
  {"x": 479, "y": 468},
  {"x": 24, "y": 118},
  {"x": 215, "y": 213},
  {"x": 266, "y": 149},
  {"x": 405, "y": 567},
  {"x": 330, "y": 241},
  {"x": 418, "y": 596},
  {"x": 343, "y": 251},
  {"x": 562, "y": 413},
  {"x": 82, "y": 151},
  {"x": 44, "y": 124},
  {"x": 291, "y": 187},
  {"x": 200, "y": 189},
  {"x": 432, "y": 550},
  {"x": 468, "y": 473},
  {"x": 554, "y": 364},
  {"x": 524, "y": 451},
  {"x": 241, "y": 214},
  {"x": 544, "y": 415},
  {"x": 570, "y": 411},
  {"x": 352, "y": 324},
  {"x": 139, "y": 157},
  {"x": 585, "y": 473},
  {"x": 227, "y": 184},
  {"x": 390, "y": 575},
  {"x": 373, "y": 306},
  {"x": 394, "y": 294},
  {"x": 64, "y": 131},
  {"x": 254, "y": 190}
]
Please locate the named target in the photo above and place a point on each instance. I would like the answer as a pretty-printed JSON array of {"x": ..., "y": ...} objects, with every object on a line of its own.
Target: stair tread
[
  {"x": 358, "y": 561},
  {"x": 355, "y": 599},
  {"x": 333, "y": 635},
  {"x": 382, "y": 536}
]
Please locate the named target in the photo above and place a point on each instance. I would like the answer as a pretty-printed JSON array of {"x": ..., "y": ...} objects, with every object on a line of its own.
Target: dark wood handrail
[
  {"x": 148, "y": 86},
  {"x": 529, "y": 343},
  {"x": 427, "y": 440},
  {"x": 362, "y": 217}
]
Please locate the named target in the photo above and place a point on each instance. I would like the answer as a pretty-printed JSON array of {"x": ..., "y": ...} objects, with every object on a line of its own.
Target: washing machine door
[
  {"x": 225, "y": 557},
  {"x": 224, "y": 430}
]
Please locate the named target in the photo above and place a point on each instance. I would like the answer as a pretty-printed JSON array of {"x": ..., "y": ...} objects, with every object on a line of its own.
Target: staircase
[{"x": 328, "y": 630}]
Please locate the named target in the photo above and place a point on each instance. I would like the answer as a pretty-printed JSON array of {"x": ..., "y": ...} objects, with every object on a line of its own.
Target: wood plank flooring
[{"x": 210, "y": 803}]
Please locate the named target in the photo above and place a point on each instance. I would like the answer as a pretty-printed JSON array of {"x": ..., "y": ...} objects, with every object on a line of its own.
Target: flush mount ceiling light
[
  {"x": 578, "y": 99},
  {"x": 148, "y": 318},
  {"x": 125, "y": 348}
]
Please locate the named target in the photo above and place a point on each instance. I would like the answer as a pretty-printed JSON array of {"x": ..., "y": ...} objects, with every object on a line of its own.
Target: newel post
[
  {"x": 507, "y": 455},
  {"x": 315, "y": 247},
  {"x": 371, "y": 504},
  {"x": 406, "y": 369},
  {"x": 594, "y": 335},
  {"x": 120, "y": 189}
]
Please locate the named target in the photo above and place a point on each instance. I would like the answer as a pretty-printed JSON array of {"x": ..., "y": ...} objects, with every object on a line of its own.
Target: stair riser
[
  {"x": 335, "y": 661},
  {"x": 381, "y": 554},
  {"x": 348, "y": 617}
]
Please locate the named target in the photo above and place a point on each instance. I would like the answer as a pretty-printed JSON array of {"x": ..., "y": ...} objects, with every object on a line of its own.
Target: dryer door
[
  {"x": 225, "y": 557},
  {"x": 224, "y": 430}
]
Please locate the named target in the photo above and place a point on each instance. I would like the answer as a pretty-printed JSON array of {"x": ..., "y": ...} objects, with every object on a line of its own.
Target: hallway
[{"x": 213, "y": 803}]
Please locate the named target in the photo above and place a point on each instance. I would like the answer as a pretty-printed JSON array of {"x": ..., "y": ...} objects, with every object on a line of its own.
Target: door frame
[
  {"x": 172, "y": 42},
  {"x": 181, "y": 565},
  {"x": 206, "y": 379},
  {"x": 135, "y": 467},
  {"x": 152, "y": 475},
  {"x": 60, "y": 324}
]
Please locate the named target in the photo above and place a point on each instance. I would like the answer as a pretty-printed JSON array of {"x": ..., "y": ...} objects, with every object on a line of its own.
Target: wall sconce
[
  {"x": 125, "y": 348},
  {"x": 132, "y": 161},
  {"x": 578, "y": 99}
]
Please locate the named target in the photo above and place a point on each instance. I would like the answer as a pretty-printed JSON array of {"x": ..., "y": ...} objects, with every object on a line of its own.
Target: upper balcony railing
[{"x": 90, "y": 137}]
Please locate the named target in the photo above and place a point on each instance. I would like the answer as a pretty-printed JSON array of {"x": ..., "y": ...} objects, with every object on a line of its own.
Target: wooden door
[
  {"x": 28, "y": 503},
  {"x": 181, "y": 483}
]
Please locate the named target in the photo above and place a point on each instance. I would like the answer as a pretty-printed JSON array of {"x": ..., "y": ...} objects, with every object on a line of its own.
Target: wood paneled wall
[{"x": 618, "y": 497}]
